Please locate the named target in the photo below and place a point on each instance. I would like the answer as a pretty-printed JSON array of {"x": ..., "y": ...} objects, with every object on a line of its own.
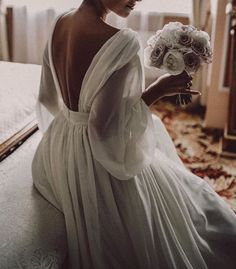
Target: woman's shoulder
[
  {"x": 108, "y": 31},
  {"x": 99, "y": 30}
]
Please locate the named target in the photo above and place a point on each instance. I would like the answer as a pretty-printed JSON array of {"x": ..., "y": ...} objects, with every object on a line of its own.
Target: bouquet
[{"x": 177, "y": 48}]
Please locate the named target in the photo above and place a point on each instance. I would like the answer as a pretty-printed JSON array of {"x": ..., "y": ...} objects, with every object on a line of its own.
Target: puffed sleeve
[
  {"x": 120, "y": 125},
  {"x": 47, "y": 105}
]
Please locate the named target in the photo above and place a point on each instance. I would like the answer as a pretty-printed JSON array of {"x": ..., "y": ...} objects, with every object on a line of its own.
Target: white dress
[{"x": 112, "y": 169}]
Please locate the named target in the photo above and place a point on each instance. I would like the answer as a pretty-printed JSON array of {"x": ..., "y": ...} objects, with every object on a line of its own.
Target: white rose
[
  {"x": 168, "y": 31},
  {"x": 203, "y": 34},
  {"x": 207, "y": 56},
  {"x": 147, "y": 56},
  {"x": 153, "y": 40},
  {"x": 188, "y": 28},
  {"x": 173, "y": 62},
  {"x": 201, "y": 37},
  {"x": 158, "y": 32}
]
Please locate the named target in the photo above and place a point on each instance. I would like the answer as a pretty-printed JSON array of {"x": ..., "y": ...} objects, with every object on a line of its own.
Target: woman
[{"x": 109, "y": 165}]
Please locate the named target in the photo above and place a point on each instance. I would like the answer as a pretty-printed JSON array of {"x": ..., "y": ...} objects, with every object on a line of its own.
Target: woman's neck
[{"x": 94, "y": 8}]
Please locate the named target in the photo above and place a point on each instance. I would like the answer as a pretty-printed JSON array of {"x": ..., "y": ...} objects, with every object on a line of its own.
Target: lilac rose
[
  {"x": 184, "y": 38},
  {"x": 198, "y": 47},
  {"x": 207, "y": 56},
  {"x": 157, "y": 55},
  {"x": 192, "y": 61}
]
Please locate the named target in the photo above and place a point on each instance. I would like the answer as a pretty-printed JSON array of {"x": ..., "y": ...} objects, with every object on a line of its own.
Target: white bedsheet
[
  {"x": 19, "y": 84},
  {"x": 32, "y": 233}
]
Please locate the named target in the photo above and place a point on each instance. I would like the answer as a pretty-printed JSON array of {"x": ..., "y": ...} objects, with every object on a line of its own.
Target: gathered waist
[{"x": 75, "y": 116}]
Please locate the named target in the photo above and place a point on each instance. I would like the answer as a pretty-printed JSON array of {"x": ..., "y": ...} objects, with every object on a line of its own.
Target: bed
[
  {"x": 32, "y": 230},
  {"x": 18, "y": 92}
]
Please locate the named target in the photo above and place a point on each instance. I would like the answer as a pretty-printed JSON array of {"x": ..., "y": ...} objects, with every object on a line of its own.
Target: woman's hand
[{"x": 169, "y": 85}]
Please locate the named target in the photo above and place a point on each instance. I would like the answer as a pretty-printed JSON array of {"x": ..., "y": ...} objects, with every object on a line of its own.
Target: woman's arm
[
  {"x": 152, "y": 94},
  {"x": 47, "y": 92},
  {"x": 48, "y": 104},
  {"x": 168, "y": 85}
]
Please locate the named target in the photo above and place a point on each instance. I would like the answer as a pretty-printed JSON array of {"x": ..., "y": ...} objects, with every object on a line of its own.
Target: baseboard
[{"x": 228, "y": 146}]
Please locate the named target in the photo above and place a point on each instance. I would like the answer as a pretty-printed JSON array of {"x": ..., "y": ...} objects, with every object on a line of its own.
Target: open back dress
[{"x": 112, "y": 169}]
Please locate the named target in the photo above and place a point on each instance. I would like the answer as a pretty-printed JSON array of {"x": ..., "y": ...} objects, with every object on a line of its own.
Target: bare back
[{"x": 76, "y": 40}]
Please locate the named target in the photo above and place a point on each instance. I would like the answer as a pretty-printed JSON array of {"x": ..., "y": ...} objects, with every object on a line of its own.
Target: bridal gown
[{"x": 113, "y": 170}]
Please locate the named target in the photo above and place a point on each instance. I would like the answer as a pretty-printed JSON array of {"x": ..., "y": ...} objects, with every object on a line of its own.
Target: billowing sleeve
[
  {"x": 47, "y": 105},
  {"x": 120, "y": 125}
]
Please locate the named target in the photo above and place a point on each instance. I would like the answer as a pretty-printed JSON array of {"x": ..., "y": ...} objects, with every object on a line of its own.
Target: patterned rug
[{"x": 198, "y": 148}]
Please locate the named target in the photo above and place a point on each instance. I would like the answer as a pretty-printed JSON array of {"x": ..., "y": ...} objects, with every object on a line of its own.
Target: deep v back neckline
[{"x": 91, "y": 66}]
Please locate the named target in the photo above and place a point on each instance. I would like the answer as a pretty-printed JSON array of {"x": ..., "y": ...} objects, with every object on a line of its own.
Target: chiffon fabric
[{"x": 113, "y": 170}]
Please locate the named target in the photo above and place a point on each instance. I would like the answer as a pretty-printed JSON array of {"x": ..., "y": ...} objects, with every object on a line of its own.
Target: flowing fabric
[{"x": 113, "y": 171}]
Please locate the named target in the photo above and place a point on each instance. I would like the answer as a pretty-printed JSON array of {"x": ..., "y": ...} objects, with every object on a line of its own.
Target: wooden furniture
[
  {"x": 228, "y": 143},
  {"x": 9, "y": 20},
  {"x": 18, "y": 139}
]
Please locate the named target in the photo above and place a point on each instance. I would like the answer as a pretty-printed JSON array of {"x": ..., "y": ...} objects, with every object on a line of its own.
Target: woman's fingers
[
  {"x": 185, "y": 82},
  {"x": 189, "y": 84},
  {"x": 186, "y": 90},
  {"x": 193, "y": 92}
]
